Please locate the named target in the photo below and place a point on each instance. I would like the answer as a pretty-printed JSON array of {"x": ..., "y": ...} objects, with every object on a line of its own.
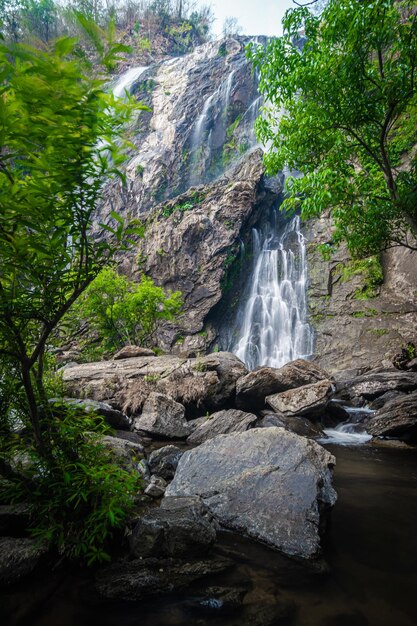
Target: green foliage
[
  {"x": 222, "y": 51},
  {"x": 77, "y": 496},
  {"x": 57, "y": 127},
  {"x": 144, "y": 44},
  {"x": 365, "y": 313},
  {"x": 371, "y": 271},
  {"x": 411, "y": 351},
  {"x": 349, "y": 98},
  {"x": 379, "y": 332},
  {"x": 181, "y": 207},
  {"x": 124, "y": 312},
  {"x": 60, "y": 137}
]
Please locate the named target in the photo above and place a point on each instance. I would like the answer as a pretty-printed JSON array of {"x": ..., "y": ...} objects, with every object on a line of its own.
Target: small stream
[{"x": 368, "y": 579}]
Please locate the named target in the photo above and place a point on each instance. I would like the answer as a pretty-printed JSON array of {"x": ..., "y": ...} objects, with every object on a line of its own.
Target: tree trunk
[{"x": 33, "y": 407}]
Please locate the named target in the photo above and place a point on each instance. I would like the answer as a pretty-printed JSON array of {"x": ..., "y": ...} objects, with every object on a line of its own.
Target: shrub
[
  {"x": 124, "y": 312},
  {"x": 77, "y": 496}
]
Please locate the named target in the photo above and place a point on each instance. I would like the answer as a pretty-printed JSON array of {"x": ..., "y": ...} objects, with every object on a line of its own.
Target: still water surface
[{"x": 370, "y": 577}]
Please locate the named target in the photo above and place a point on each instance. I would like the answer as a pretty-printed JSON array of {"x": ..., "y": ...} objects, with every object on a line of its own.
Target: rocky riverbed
[{"x": 220, "y": 450}]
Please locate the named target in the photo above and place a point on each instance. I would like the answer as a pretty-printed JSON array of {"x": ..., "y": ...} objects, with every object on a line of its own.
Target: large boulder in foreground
[
  {"x": 310, "y": 400},
  {"x": 162, "y": 417},
  {"x": 252, "y": 389},
  {"x": 397, "y": 418},
  {"x": 221, "y": 423},
  {"x": 267, "y": 483}
]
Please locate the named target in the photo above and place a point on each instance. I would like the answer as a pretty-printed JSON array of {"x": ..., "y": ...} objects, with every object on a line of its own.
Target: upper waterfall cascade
[
  {"x": 125, "y": 81},
  {"x": 200, "y": 124},
  {"x": 272, "y": 323}
]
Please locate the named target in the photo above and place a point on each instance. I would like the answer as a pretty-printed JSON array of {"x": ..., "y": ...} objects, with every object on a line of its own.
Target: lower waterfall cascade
[{"x": 273, "y": 328}]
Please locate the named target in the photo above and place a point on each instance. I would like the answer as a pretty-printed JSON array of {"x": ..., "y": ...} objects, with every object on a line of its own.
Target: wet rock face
[
  {"x": 267, "y": 483},
  {"x": 191, "y": 242},
  {"x": 352, "y": 332},
  {"x": 193, "y": 179},
  {"x": 375, "y": 384},
  {"x": 194, "y": 100},
  {"x": 252, "y": 389},
  {"x": 397, "y": 418}
]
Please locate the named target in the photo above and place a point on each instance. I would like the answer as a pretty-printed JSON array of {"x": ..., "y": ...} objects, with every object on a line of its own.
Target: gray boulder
[
  {"x": 18, "y": 558},
  {"x": 267, "y": 483},
  {"x": 222, "y": 423},
  {"x": 125, "y": 453},
  {"x": 141, "y": 577},
  {"x": 397, "y": 418},
  {"x": 113, "y": 417},
  {"x": 182, "y": 531},
  {"x": 375, "y": 384},
  {"x": 156, "y": 487},
  {"x": 298, "y": 425},
  {"x": 310, "y": 400},
  {"x": 164, "y": 462},
  {"x": 162, "y": 417},
  {"x": 252, "y": 389},
  {"x": 129, "y": 352}
]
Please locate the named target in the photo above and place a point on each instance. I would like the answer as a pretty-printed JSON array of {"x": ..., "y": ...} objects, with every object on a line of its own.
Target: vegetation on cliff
[
  {"x": 152, "y": 28},
  {"x": 120, "y": 312}
]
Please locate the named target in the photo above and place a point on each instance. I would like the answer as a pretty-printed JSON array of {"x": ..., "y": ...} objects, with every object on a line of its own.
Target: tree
[
  {"x": 10, "y": 18},
  {"x": 57, "y": 129},
  {"x": 39, "y": 18},
  {"x": 124, "y": 312},
  {"x": 342, "y": 105},
  {"x": 231, "y": 27}
]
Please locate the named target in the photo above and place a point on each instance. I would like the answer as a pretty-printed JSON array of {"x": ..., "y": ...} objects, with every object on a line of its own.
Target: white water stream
[
  {"x": 348, "y": 433},
  {"x": 274, "y": 327},
  {"x": 125, "y": 81}
]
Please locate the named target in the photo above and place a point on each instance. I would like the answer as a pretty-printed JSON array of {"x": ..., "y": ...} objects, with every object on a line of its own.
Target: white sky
[{"x": 256, "y": 17}]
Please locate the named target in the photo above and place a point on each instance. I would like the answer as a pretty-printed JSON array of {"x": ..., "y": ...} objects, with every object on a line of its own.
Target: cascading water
[
  {"x": 125, "y": 82},
  {"x": 273, "y": 322},
  {"x": 211, "y": 124}
]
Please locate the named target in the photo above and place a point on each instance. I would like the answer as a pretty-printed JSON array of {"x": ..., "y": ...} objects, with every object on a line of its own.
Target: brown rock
[
  {"x": 129, "y": 352},
  {"x": 252, "y": 389},
  {"x": 162, "y": 417},
  {"x": 310, "y": 400}
]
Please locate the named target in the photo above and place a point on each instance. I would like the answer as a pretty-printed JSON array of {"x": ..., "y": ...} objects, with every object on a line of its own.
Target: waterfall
[
  {"x": 273, "y": 322},
  {"x": 125, "y": 81},
  {"x": 213, "y": 115}
]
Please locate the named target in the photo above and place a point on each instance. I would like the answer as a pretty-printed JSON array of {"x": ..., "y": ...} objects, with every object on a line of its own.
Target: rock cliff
[
  {"x": 362, "y": 313},
  {"x": 196, "y": 180}
]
